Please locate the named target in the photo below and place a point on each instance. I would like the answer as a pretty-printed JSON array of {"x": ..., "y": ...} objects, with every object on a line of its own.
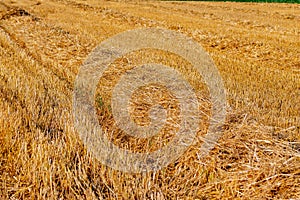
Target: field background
[
  {"x": 256, "y": 48},
  {"x": 262, "y": 1}
]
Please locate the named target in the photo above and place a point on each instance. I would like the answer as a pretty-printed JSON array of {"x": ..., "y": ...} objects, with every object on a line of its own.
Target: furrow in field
[{"x": 31, "y": 90}]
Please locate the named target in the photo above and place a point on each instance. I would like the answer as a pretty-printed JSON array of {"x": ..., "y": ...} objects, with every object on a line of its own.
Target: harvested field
[{"x": 255, "y": 46}]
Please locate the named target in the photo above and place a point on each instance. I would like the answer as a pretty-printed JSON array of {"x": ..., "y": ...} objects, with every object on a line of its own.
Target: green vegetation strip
[{"x": 259, "y": 1}]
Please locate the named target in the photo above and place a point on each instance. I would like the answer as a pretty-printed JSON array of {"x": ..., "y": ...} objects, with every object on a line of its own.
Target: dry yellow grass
[{"x": 256, "y": 48}]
